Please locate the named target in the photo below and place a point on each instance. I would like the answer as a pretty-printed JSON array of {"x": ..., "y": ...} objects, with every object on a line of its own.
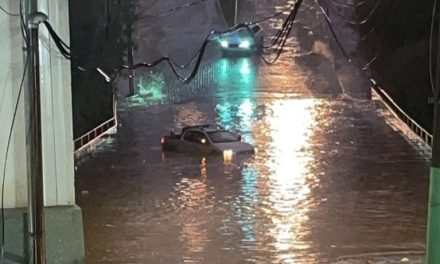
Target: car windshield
[{"x": 222, "y": 136}]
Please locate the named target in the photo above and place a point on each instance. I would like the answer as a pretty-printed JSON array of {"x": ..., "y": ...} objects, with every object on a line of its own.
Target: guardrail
[
  {"x": 94, "y": 135},
  {"x": 417, "y": 129}
]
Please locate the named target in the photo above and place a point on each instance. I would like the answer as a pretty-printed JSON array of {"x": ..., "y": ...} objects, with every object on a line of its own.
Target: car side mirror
[{"x": 239, "y": 137}]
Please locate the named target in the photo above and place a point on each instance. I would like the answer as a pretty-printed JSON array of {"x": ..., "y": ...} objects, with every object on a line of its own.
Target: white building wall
[{"x": 56, "y": 108}]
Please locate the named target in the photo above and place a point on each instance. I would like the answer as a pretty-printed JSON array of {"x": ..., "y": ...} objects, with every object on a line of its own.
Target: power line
[
  {"x": 431, "y": 39},
  {"x": 61, "y": 45},
  {"x": 349, "y": 5},
  {"x": 285, "y": 33},
  {"x": 287, "y": 26},
  {"x": 344, "y": 52},
  {"x": 6, "y": 159},
  {"x": 172, "y": 10},
  {"x": 8, "y": 13},
  {"x": 362, "y": 21},
  {"x": 279, "y": 41}
]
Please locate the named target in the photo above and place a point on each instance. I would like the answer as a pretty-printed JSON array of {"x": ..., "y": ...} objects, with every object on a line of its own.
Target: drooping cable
[
  {"x": 344, "y": 52},
  {"x": 362, "y": 21},
  {"x": 61, "y": 45},
  {"x": 172, "y": 10},
  {"x": 199, "y": 54},
  {"x": 8, "y": 13},
  {"x": 431, "y": 39},
  {"x": 197, "y": 58},
  {"x": 280, "y": 40},
  {"x": 376, "y": 25},
  {"x": 349, "y": 5},
  {"x": 285, "y": 36}
]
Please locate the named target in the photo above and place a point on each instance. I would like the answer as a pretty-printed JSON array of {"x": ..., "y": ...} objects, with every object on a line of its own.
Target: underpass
[{"x": 331, "y": 177}]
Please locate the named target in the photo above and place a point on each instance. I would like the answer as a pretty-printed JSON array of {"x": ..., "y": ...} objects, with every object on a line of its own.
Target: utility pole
[
  {"x": 130, "y": 60},
  {"x": 35, "y": 178},
  {"x": 433, "y": 228},
  {"x": 236, "y": 12}
]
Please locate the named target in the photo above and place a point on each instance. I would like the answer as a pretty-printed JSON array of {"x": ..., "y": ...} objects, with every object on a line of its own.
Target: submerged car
[
  {"x": 241, "y": 41},
  {"x": 205, "y": 140}
]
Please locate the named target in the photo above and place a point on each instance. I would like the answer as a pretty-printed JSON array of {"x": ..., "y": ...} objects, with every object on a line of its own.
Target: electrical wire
[
  {"x": 246, "y": 25},
  {"x": 6, "y": 159},
  {"x": 8, "y": 13},
  {"x": 61, "y": 45},
  {"x": 373, "y": 29},
  {"x": 199, "y": 54},
  {"x": 172, "y": 10},
  {"x": 285, "y": 36},
  {"x": 357, "y": 23},
  {"x": 431, "y": 39},
  {"x": 349, "y": 5},
  {"x": 344, "y": 52},
  {"x": 279, "y": 41}
]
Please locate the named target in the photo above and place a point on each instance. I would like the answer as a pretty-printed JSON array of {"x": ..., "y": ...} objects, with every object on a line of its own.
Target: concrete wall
[
  {"x": 63, "y": 225},
  {"x": 56, "y": 108},
  {"x": 11, "y": 70}
]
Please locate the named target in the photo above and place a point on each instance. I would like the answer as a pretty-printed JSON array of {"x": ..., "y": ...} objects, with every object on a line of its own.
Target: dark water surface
[{"x": 330, "y": 177}]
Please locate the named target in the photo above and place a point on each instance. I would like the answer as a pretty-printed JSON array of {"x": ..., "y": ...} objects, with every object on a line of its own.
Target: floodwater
[{"x": 330, "y": 178}]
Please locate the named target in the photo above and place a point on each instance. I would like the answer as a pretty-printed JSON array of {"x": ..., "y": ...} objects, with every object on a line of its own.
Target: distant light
[
  {"x": 245, "y": 44},
  {"x": 105, "y": 75},
  {"x": 162, "y": 140},
  {"x": 224, "y": 43},
  {"x": 203, "y": 140}
]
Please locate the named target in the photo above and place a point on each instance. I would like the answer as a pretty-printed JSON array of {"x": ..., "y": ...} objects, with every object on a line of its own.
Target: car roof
[{"x": 205, "y": 128}]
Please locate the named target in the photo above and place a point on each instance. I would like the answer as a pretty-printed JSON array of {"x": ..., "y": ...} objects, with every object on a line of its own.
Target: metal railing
[
  {"x": 417, "y": 129},
  {"x": 94, "y": 135}
]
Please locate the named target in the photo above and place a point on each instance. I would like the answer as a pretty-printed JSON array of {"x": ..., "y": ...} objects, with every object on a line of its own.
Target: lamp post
[{"x": 35, "y": 178}]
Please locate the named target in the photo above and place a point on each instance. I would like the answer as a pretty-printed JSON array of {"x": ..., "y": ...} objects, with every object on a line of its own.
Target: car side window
[
  {"x": 196, "y": 137},
  {"x": 256, "y": 29}
]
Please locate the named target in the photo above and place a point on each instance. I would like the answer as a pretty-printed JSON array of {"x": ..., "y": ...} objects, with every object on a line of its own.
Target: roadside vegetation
[{"x": 399, "y": 34}]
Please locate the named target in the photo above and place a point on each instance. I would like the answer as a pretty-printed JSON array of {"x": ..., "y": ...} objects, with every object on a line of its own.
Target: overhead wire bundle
[
  {"x": 61, "y": 45},
  {"x": 335, "y": 36},
  {"x": 357, "y": 22},
  {"x": 276, "y": 47}
]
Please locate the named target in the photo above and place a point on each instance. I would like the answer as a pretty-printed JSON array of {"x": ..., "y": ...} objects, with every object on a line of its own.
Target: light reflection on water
[
  {"x": 329, "y": 177},
  {"x": 280, "y": 171},
  {"x": 317, "y": 187}
]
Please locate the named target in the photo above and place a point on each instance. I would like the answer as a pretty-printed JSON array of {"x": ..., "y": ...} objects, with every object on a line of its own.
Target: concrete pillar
[
  {"x": 56, "y": 102},
  {"x": 64, "y": 232},
  {"x": 56, "y": 109}
]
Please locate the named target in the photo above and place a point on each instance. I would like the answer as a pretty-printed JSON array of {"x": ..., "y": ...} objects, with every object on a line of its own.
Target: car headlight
[
  {"x": 245, "y": 44},
  {"x": 224, "y": 43}
]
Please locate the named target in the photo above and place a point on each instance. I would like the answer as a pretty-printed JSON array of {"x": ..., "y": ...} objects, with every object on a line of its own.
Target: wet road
[{"x": 330, "y": 177}]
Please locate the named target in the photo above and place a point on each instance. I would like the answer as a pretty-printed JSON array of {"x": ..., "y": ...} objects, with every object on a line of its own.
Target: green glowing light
[
  {"x": 150, "y": 89},
  {"x": 245, "y": 68}
]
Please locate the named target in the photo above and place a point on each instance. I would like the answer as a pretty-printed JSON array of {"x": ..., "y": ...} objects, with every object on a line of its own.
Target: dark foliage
[
  {"x": 98, "y": 39},
  {"x": 399, "y": 33}
]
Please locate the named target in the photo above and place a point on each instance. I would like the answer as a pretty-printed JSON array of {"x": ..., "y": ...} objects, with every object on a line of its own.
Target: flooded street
[{"x": 330, "y": 177}]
